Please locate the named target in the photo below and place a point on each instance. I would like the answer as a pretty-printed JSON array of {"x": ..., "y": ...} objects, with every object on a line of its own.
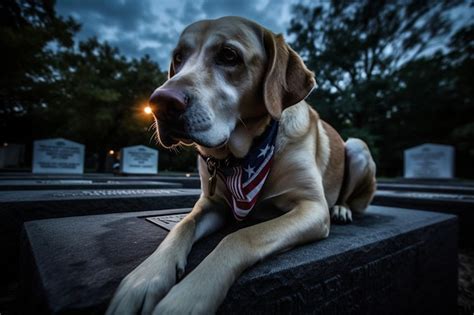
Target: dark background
[{"x": 396, "y": 74}]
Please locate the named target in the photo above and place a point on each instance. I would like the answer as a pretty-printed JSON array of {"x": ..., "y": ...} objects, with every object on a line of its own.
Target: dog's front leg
[
  {"x": 147, "y": 284},
  {"x": 202, "y": 291}
]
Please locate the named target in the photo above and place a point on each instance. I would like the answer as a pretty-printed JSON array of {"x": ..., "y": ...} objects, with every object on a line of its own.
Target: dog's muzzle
[
  {"x": 169, "y": 106},
  {"x": 183, "y": 119}
]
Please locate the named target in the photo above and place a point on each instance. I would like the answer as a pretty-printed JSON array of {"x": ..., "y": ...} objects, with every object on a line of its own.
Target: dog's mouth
[{"x": 171, "y": 135}]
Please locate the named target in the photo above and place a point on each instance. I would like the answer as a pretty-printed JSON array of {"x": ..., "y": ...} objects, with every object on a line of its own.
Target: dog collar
[{"x": 244, "y": 178}]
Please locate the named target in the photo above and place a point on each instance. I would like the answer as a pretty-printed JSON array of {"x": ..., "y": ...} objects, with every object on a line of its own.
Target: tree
[
  {"x": 462, "y": 57},
  {"x": 29, "y": 31},
  {"x": 100, "y": 96},
  {"x": 54, "y": 87},
  {"x": 363, "y": 53},
  {"x": 435, "y": 101}
]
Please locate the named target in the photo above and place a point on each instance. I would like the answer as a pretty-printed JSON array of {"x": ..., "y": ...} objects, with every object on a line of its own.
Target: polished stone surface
[
  {"x": 17, "y": 207},
  {"x": 390, "y": 261}
]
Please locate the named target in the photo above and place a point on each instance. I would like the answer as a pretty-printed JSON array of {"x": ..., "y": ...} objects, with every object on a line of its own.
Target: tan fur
[
  {"x": 306, "y": 181},
  {"x": 334, "y": 171},
  {"x": 287, "y": 80},
  {"x": 360, "y": 184}
]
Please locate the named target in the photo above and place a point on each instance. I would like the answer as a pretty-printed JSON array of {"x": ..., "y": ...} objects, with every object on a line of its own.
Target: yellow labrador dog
[{"x": 236, "y": 91}]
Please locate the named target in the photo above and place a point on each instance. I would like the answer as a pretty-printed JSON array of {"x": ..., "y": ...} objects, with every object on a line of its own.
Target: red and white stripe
[
  {"x": 243, "y": 197},
  {"x": 233, "y": 182}
]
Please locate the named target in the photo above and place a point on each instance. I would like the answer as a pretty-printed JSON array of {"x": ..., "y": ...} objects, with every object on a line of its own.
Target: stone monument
[
  {"x": 139, "y": 159},
  {"x": 429, "y": 161},
  {"x": 11, "y": 154},
  {"x": 389, "y": 261},
  {"x": 58, "y": 156}
]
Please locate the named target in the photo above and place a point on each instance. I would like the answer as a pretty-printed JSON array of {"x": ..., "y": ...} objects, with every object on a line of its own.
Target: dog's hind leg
[{"x": 359, "y": 184}]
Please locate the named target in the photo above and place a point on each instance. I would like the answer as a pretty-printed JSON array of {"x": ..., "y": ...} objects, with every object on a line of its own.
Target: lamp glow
[
  {"x": 147, "y": 110},
  {"x": 111, "y": 152}
]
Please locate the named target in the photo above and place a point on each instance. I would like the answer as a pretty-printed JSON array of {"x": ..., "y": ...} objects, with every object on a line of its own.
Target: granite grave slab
[
  {"x": 40, "y": 204},
  {"x": 12, "y": 182},
  {"x": 16, "y": 207},
  {"x": 390, "y": 261},
  {"x": 458, "y": 204},
  {"x": 434, "y": 187},
  {"x": 50, "y": 184},
  {"x": 187, "y": 182}
]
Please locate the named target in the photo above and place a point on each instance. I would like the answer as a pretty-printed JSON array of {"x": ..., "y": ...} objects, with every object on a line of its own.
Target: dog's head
[{"x": 224, "y": 72}]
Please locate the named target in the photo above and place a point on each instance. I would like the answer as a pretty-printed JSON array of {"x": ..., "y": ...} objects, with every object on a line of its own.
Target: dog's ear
[
  {"x": 287, "y": 80},
  {"x": 171, "y": 71}
]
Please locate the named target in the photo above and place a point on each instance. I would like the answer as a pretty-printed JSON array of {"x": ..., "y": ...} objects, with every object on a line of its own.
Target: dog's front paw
[
  {"x": 341, "y": 214},
  {"x": 178, "y": 305},
  {"x": 142, "y": 289},
  {"x": 198, "y": 293}
]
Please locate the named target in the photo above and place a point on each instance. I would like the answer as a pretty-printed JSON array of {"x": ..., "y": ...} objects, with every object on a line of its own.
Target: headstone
[
  {"x": 58, "y": 156},
  {"x": 11, "y": 154},
  {"x": 389, "y": 261},
  {"x": 429, "y": 161},
  {"x": 139, "y": 159}
]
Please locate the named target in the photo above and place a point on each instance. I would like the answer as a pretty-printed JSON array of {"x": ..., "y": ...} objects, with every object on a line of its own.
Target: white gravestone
[
  {"x": 58, "y": 156},
  {"x": 429, "y": 161},
  {"x": 139, "y": 159}
]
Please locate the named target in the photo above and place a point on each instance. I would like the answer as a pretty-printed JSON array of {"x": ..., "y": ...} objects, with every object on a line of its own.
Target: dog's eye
[
  {"x": 177, "y": 58},
  {"x": 228, "y": 56}
]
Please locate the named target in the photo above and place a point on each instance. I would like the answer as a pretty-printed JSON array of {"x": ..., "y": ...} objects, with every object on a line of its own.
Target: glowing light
[
  {"x": 147, "y": 110},
  {"x": 111, "y": 152},
  {"x": 188, "y": 175}
]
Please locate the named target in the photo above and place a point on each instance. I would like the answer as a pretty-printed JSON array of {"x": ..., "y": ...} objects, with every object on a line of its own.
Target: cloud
[{"x": 153, "y": 27}]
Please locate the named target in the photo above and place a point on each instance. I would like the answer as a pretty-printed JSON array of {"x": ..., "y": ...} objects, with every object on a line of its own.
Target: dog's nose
[{"x": 169, "y": 103}]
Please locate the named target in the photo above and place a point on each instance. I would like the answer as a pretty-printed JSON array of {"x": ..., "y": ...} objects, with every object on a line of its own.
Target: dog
[{"x": 236, "y": 91}]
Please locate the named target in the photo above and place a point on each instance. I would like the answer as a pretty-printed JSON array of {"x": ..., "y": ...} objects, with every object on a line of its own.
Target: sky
[{"x": 139, "y": 27}]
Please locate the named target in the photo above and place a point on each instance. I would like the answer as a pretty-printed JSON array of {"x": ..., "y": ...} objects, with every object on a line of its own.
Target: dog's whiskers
[
  {"x": 240, "y": 119},
  {"x": 154, "y": 137}
]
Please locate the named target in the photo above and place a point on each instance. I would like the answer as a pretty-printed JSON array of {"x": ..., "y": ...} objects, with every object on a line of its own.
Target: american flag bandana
[{"x": 244, "y": 178}]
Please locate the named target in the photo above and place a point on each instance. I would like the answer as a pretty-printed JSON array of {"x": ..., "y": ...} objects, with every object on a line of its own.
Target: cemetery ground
[{"x": 35, "y": 196}]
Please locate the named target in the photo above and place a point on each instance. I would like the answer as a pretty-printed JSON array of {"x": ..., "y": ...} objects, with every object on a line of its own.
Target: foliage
[
  {"x": 29, "y": 30},
  {"x": 52, "y": 87},
  {"x": 100, "y": 97},
  {"x": 388, "y": 74},
  {"x": 28, "y": 27}
]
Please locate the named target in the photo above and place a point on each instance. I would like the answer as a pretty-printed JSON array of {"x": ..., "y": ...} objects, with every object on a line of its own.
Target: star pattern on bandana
[
  {"x": 264, "y": 151},
  {"x": 249, "y": 170}
]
